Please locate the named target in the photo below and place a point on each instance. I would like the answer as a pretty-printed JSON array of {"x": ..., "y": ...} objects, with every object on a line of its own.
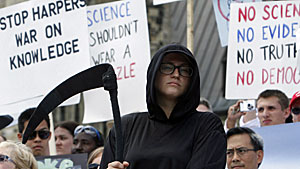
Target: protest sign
[
  {"x": 298, "y": 50},
  {"x": 222, "y": 13},
  {"x": 262, "y": 49},
  {"x": 41, "y": 46},
  {"x": 70, "y": 161},
  {"x": 159, "y": 2},
  {"x": 281, "y": 147},
  {"x": 15, "y": 109},
  {"x": 118, "y": 35}
]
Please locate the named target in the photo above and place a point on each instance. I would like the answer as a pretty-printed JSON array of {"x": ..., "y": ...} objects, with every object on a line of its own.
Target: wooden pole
[{"x": 190, "y": 25}]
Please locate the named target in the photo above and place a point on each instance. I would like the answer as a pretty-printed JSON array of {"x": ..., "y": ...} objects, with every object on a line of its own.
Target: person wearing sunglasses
[
  {"x": 38, "y": 141},
  {"x": 14, "y": 155},
  {"x": 86, "y": 139},
  {"x": 295, "y": 107},
  {"x": 95, "y": 158},
  {"x": 172, "y": 134},
  {"x": 244, "y": 148}
]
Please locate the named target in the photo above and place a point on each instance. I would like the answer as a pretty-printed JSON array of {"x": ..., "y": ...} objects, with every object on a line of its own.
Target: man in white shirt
[{"x": 271, "y": 106}]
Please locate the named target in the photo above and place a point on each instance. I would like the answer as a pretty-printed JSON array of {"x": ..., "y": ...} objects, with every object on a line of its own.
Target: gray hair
[
  {"x": 205, "y": 102},
  {"x": 20, "y": 154}
]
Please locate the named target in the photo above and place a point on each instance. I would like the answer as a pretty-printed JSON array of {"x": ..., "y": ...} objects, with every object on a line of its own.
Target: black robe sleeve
[
  {"x": 209, "y": 151},
  {"x": 109, "y": 150}
]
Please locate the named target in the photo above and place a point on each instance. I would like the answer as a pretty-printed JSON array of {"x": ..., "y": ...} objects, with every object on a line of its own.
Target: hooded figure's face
[
  {"x": 172, "y": 86},
  {"x": 171, "y": 96}
]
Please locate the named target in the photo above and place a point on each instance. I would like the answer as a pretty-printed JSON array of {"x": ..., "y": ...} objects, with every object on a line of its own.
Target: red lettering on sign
[
  {"x": 125, "y": 71},
  {"x": 283, "y": 11},
  {"x": 280, "y": 76},
  {"x": 249, "y": 78}
]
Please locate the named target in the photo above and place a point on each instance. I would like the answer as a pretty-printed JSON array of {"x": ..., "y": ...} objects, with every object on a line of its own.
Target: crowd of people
[{"x": 179, "y": 130}]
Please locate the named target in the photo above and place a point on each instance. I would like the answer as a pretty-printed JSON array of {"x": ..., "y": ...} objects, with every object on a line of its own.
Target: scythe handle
[{"x": 110, "y": 84}]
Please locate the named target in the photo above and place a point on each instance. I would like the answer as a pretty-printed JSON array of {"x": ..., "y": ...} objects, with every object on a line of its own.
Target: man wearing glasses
[
  {"x": 38, "y": 141},
  {"x": 86, "y": 139},
  {"x": 244, "y": 148},
  {"x": 295, "y": 107}
]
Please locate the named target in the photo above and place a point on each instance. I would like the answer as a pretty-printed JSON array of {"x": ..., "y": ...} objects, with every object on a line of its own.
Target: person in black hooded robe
[{"x": 172, "y": 134}]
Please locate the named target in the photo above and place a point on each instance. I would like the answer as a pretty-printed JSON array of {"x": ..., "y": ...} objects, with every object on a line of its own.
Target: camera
[{"x": 247, "y": 105}]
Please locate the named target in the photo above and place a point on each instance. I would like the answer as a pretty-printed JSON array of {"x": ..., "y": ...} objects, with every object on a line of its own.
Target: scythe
[{"x": 102, "y": 75}]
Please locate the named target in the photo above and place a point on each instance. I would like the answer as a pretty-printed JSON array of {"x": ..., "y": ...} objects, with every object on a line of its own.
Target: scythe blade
[
  {"x": 102, "y": 75},
  {"x": 83, "y": 81}
]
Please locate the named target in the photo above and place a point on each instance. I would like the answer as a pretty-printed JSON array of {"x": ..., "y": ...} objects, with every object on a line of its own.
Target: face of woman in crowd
[
  {"x": 97, "y": 160},
  {"x": 63, "y": 141},
  {"x": 5, "y": 164}
]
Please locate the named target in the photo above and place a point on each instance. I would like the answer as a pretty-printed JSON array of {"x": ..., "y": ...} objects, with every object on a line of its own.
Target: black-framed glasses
[
  {"x": 43, "y": 134},
  {"x": 240, "y": 151},
  {"x": 169, "y": 68},
  {"x": 295, "y": 110},
  {"x": 88, "y": 130},
  {"x": 94, "y": 166},
  {"x": 5, "y": 158}
]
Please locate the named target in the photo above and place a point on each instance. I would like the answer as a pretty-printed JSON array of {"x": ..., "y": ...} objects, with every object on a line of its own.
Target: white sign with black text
[{"x": 118, "y": 34}]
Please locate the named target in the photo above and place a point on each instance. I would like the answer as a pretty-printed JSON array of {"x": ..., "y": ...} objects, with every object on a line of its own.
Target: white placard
[
  {"x": 262, "y": 49},
  {"x": 298, "y": 50},
  {"x": 281, "y": 149},
  {"x": 159, "y": 2},
  {"x": 119, "y": 36},
  {"x": 15, "y": 109},
  {"x": 222, "y": 13},
  {"x": 41, "y": 46}
]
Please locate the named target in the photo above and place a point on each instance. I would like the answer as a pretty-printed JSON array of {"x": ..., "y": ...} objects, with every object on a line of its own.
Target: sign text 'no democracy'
[{"x": 262, "y": 49}]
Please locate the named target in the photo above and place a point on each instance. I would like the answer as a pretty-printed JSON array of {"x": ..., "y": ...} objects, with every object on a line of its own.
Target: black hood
[{"x": 188, "y": 102}]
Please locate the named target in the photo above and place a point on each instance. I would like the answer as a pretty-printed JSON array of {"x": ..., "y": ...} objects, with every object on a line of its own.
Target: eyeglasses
[
  {"x": 169, "y": 68},
  {"x": 43, "y": 134},
  {"x": 240, "y": 151},
  {"x": 296, "y": 110},
  {"x": 94, "y": 166},
  {"x": 88, "y": 130},
  {"x": 4, "y": 158}
]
